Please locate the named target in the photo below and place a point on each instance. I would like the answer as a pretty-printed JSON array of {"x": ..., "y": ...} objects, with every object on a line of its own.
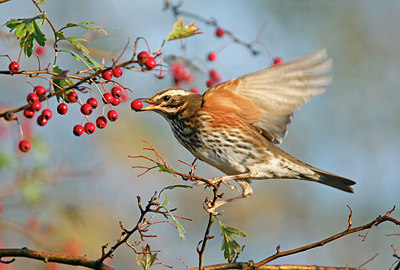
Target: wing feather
[{"x": 275, "y": 92}]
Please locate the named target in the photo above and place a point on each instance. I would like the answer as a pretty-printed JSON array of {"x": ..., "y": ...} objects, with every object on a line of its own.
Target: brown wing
[{"x": 268, "y": 98}]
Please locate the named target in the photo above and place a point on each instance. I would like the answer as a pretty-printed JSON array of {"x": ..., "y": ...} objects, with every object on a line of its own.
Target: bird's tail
[{"x": 334, "y": 180}]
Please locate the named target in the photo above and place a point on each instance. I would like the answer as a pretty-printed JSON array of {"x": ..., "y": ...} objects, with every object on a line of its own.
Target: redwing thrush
[{"x": 235, "y": 125}]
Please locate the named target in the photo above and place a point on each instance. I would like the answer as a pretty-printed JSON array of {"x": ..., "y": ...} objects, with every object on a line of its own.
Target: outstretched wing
[{"x": 268, "y": 98}]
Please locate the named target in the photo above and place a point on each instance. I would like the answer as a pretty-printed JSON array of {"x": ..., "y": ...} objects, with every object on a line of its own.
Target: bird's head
[{"x": 173, "y": 101}]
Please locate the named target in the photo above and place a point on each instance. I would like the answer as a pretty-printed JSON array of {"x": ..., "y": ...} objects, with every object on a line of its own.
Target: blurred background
[{"x": 69, "y": 193}]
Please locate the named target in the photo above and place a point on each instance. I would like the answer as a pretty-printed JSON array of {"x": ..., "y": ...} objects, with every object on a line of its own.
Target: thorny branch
[
  {"x": 163, "y": 166},
  {"x": 142, "y": 226}
]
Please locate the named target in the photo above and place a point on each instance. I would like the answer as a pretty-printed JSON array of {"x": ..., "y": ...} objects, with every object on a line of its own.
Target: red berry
[
  {"x": 212, "y": 56},
  {"x": 195, "y": 90},
  {"x": 39, "y": 90},
  {"x": 41, "y": 120},
  {"x": 278, "y": 61},
  {"x": 86, "y": 109},
  {"x": 24, "y": 146},
  {"x": 137, "y": 105},
  {"x": 78, "y": 130},
  {"x": 29, "y": 113},
  {"x": 36, "y": 105},
  {"x": 112, "y": 115},
  {"x": 101, "y": 122},
  {"x": 107, "y": 75},
  {"x": 151, "y": 62},
  {"x": 72, "y": 97},
  {"x": 116, "y": 101},
  {"x": 40, "y": 50},
  {"x": 220, "y": 32},
  {"x": 107, "y": 98},
  {"x": 32, "y": 97},
  {"x": 117, "y": 72},
  {"x": 142, "y": 57},
  {"x": 92, "y": 101},
  {"x": 116, "y": 91},
  {"x": 214, "y": 74},
  {"x": 62, "y": 108},
  {"x": 210, "y": 83},
  {"x": 13, "y": 67},
  {"x": 90, "y": 128},
  {"x": 47, "y": 113}
]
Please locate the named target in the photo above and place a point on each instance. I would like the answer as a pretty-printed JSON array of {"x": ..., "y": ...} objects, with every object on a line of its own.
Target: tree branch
[{"x": 53, "y": 257}]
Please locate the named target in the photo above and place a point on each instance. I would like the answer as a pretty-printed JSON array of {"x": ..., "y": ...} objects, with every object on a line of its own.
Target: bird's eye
[{"x": 166, "y": 98}]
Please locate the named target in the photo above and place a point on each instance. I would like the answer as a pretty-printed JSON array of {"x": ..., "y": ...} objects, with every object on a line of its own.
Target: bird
[{"x": 236, "y": 126}]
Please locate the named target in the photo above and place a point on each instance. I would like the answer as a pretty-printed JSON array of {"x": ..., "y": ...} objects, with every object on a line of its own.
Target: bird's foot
[
  {"x": 222, "y": 179},
  {"x": 217, "y": 181}
]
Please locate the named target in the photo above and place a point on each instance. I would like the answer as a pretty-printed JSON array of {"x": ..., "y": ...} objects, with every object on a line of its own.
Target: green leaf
[
  {"x": 179, "y": 31},
  {"x": 38, "y": 34},
  {"x": 77, "y": 58},
  {"x": 229, "y": 245},
  {"x": 27, "y": 30},
  {"x": 163, "y": 168},
  {"x": 75, "y": 42},
  {"x": 146, "y": 259},
  {"x": 172, "y": 187},
  {"x": 179, "y": 227},
  {"x": 87, "y": 25}
]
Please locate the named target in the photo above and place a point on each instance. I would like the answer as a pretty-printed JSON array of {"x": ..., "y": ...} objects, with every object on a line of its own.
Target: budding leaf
[
  {"x": 229, "y": 245},
  {"x": 146, "y": 259},
  {"x": 164, "y": 168},
  {"x": 27, "y": 30},
  {"x": 179, "y": 31}
]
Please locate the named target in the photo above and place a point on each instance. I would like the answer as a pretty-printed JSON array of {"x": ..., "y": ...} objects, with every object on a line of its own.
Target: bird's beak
[{"x": 152, "y": 106}]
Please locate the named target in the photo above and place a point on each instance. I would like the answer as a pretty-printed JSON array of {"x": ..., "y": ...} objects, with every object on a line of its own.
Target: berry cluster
[
  {"x": 214, "y": 78},
  {"x": 145, "y": 60},
  {"x": 181, "y": 74},
  {"x": 34, "y": 99},
  {"x": 112, "y": 98}
]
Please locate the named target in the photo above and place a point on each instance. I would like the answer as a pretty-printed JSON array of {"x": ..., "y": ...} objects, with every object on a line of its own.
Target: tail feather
[{"x": 335, "y": 181}]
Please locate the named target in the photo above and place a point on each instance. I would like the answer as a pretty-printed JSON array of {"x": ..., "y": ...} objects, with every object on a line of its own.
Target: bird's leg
[{"x": 225, "y": 178}]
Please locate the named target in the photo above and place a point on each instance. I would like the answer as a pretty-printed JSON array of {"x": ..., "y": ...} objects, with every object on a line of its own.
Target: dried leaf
[{"x": 179, "y": 31}]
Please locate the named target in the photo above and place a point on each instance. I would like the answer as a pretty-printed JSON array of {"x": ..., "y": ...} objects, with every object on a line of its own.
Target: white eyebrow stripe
[{"x": 175, "y": 92}]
